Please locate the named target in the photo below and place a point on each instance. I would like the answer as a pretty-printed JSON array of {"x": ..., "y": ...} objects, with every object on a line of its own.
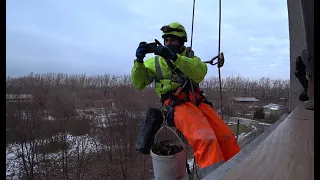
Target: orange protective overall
[{"x": 211, "y": 139}]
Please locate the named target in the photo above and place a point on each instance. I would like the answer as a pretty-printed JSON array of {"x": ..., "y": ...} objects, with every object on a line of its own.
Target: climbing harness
[{"x": 168, "y": 111}]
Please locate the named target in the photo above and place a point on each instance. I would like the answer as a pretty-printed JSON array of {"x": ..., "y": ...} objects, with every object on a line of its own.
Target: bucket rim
[{"x": 156, "y": 155}]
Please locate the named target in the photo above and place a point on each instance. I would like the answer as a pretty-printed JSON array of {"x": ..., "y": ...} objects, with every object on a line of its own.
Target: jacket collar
[{"x": 184, "y": 52}]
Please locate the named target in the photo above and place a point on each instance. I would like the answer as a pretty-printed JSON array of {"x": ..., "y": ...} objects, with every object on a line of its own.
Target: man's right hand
[{"x": 141, "y": 51}]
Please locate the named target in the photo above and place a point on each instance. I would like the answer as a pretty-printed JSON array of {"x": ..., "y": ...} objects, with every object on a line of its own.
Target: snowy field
[
  {"x": 77, "y": 143},
  {"x": 83, "y": 143}
]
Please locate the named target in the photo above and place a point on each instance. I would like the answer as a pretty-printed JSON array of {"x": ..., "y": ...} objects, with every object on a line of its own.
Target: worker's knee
[
  {"x": 205, "y": 136},
  {"x": 210, "y": 139}
]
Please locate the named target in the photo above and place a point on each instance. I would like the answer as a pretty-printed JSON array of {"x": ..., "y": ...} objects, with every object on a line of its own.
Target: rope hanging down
[
  {"x": 219, "y": 64},
  {"x": 192, "y": 23},
  {"x": 220, "y": 55},
  {"x": 194, "y": 172},
  {"x": 219, "y": 59}
]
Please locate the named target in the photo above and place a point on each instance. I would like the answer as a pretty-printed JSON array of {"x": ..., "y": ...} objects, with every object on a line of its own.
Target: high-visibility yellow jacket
[{"x": 156, "y": 69}]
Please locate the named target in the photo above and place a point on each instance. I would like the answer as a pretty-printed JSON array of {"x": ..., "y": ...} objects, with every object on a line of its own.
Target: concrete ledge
[
  {"x": 227, "y": 166},
  {"x": 286, "y": 154}
]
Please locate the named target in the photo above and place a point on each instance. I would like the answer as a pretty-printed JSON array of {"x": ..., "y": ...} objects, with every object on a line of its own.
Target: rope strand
[
  {"x": 193, "y": 94},
  {"x": 192, "y": 23},
  {"x": 219, "y": 47}
]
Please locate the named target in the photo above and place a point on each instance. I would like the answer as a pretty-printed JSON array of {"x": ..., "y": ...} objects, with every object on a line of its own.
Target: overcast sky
[{"x": 101, "y": 36}]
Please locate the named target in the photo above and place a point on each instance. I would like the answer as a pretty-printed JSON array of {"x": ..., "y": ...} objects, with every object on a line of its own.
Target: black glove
[
  {"x": 141, "y": 51},
  {"x": 165, "y": 52}
]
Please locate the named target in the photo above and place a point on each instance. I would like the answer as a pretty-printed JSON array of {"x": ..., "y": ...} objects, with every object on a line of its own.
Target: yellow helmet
[{"x": 174, "y": 29}]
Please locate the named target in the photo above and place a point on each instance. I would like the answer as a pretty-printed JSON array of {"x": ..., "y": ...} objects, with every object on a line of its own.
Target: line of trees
[
  {"x": 102, "y": 114},
  {"x": 265, "y": 89}
]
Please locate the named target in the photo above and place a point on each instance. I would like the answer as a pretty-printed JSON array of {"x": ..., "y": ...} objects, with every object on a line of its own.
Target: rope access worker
[{"x": 211, "y": 139}]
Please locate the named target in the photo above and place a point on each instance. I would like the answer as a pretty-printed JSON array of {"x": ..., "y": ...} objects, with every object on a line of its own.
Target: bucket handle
[{"x": 165, "y": 127}]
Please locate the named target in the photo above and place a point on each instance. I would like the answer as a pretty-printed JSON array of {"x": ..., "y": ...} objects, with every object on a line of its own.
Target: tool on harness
[
  {"x": 220, "y": 60},
  {"x": 169, "y": 109},
  {"x": 149, "y": 128}
]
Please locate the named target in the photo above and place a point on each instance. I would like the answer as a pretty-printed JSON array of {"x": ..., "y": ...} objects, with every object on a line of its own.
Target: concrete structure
[
  {"x": 277, "y": 153},
  {"x": 297, "y": 44}
]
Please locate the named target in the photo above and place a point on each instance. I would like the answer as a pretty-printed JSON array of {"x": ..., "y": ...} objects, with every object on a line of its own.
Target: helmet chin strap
[
  {"x": 181, "y": 48},
  {"x": 176, "y": 48}
]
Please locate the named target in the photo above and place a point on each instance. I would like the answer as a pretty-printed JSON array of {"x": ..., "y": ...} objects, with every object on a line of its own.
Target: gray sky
[{"x": 100, "y": 36}]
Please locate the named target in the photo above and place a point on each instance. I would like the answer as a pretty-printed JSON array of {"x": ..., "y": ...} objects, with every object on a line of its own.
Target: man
[{"x": 177, "y": 74}]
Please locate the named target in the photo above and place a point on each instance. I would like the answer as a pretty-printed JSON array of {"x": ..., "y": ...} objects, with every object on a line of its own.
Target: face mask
[{"x": 175, "y": 48}]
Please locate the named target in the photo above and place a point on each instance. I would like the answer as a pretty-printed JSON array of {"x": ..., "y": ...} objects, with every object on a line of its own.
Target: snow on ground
[
  {"x": 190, "y": 162},
  {"x": 246, "y": 134},
  {"x": 12, "y": 165},
  {"x": 242, "y": 135},
  {"x": 103, "y": 117},
  {"x": 77, "y": 143},
  {"x": 50, "y": 118},
  {"x": 85, "y": 143}
]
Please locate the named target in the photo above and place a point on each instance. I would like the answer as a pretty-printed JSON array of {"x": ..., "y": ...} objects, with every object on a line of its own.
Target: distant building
[
  {"x": 273, "y": 106},
  {"x": 245, "y": 105},
  {"x": 246, "y": 100},
  {"x": 18, "y": 98}
]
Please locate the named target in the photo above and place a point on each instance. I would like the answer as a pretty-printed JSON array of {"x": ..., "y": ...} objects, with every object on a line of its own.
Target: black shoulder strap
[
  {"x": 189, "y": 53},
  {"x": 168, "y": 61},
  {"x": 173, "y": 68}
]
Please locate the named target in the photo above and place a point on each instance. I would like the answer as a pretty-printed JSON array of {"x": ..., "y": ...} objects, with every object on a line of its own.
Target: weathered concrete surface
[
  {"x": 218, "y": 173},
  {"x": 286, "y": 154},
  {"x": 297, "y": 44}
]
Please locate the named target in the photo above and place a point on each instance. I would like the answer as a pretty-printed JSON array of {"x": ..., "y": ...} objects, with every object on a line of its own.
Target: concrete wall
[{"x": 297, "y": 44}]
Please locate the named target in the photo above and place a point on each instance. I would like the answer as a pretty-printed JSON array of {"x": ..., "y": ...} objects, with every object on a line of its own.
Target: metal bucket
[{"x": 171, "y": 167}]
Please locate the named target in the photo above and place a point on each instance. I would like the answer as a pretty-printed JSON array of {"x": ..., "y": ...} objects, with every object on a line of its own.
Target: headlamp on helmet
[{"x": 174, "y": 29}]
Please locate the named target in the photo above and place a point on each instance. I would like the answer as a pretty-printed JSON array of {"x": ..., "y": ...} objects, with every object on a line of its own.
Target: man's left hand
[{"x": 165, "y": 52}]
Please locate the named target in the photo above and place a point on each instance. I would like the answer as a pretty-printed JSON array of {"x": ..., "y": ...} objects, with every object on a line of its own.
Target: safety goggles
[{"x": 167, "y": 29}]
